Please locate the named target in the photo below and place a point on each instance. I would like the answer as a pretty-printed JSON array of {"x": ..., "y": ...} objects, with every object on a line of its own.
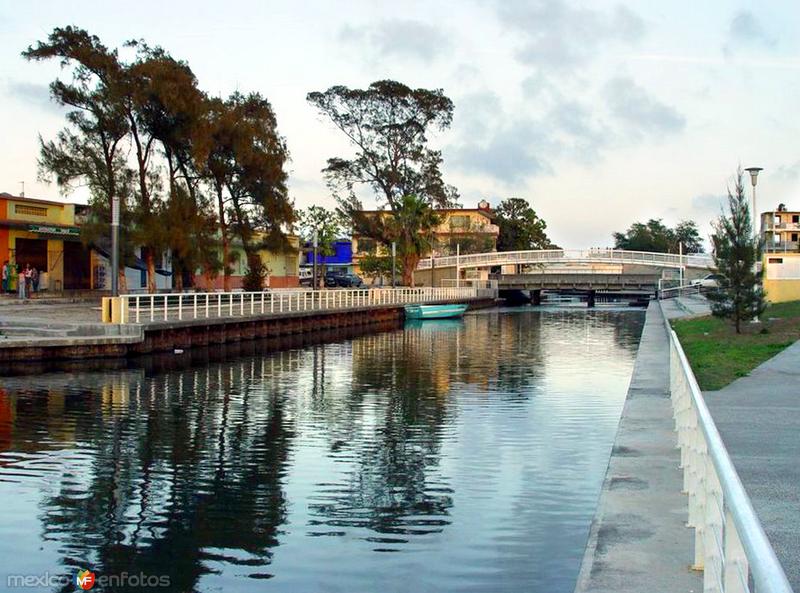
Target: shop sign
[{"x": 55, "y": 230}]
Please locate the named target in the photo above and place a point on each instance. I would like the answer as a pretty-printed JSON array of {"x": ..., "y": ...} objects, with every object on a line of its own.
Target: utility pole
[
  {"x": 115, "y": 246},
  {"x": 394, "y": 266},
  {"x": 680, "y": 269},
  {"x": 458, "y": 266},
  {"x": 314, "y": 264}
]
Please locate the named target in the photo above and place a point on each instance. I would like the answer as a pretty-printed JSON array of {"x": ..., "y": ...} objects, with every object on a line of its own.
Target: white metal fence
[
  {"x": 667, "y": 260},
  {"x": 730, "y": 544},
  {"x": 148, "y": 308}
]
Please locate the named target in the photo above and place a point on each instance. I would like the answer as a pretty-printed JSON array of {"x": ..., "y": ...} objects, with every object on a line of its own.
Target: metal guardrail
[
  {"x": 137, "y": 308},
  {"x": 618, "y": 256},
  {"x": 730, "y": 544},
  {"x": 678, "y": 291}
]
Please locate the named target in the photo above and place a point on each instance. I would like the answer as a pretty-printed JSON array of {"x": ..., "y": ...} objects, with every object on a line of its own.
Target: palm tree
[{"x": 412, "y": 226}]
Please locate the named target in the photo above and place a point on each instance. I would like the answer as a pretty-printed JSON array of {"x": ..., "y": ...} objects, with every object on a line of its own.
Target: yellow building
[
  {"x": 470, "y": 230},
  {"x": 283, "y": 268},
  {"x": 780, "y": 232},
  {"x": 44, "y": 234}
]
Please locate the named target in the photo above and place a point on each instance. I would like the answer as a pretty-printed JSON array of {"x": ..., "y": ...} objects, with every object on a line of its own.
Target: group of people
[{"x": 23, "y": 281}]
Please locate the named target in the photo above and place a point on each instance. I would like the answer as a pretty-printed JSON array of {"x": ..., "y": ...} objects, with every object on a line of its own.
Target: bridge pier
[
  {"x": 536, "y": 297},
  {"x": 591, "y": 298}
]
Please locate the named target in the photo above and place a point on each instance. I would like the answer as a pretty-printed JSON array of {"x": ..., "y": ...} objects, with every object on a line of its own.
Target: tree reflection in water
[{"x": 182, "y": 466}]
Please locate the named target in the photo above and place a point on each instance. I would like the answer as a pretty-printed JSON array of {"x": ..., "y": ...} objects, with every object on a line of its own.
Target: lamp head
[{"x": 754, "y": 174}]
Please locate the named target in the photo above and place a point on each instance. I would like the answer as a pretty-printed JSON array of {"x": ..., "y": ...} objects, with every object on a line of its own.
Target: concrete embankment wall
[
  {"x": 638, "y": 541},
  {"x": 185, "y": 334}
]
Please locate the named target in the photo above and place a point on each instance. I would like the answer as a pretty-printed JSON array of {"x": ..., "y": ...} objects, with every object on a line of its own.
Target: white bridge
[{"x": 553, "y": 257}]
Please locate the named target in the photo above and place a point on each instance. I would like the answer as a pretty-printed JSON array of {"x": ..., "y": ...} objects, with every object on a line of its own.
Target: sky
[{"x": 599, "y": 113}]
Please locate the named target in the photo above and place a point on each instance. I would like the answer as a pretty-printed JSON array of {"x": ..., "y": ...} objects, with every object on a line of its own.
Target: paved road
[
  {"x": 638, "y": 541},
  {"x": 759, "y": 419}
]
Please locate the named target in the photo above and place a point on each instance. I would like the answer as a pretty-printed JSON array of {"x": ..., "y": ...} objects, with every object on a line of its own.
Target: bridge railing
[
  {"x": 150, "y": 308},
  {"x": 545, "y": 256},
  {"x": 730, "y": 545}
]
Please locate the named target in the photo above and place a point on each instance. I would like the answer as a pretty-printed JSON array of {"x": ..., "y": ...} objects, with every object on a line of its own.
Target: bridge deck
[{"x": 645, "y": 282}]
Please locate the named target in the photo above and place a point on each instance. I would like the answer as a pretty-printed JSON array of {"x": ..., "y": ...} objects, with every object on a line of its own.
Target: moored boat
[{"x": 434, "y": 311}]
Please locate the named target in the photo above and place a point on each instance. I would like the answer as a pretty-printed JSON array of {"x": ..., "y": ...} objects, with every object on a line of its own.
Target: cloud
[
  {"x": 745, "y": 29},
  {"x": 509, "y": 156},
  {"x": 511, "y": 146},
  {"x": 34, "y": 94},
  {"x": 400, "y": 38},
  {"x": 557, "y": 35},
  {"x": 709, "y": 205},
  {"x": 788, "y": 172},
  {"x": 638, "y": 111}
]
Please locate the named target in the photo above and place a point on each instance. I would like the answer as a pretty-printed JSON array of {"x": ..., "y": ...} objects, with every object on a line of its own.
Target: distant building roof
[{"x": 8, "y": 196}]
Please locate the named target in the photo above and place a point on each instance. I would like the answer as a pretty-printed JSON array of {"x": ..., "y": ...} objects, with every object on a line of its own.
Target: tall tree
[
  {"x": 521, "y": 228},
  {"x": 90, "y": 150},
  {"x": 655, "y": 236},
  {"x": 739, "y": 296},
  {"x": 244, "y": 160},
  {"x": 686, "y": 233},
  {"x": 388, "y": 125}
]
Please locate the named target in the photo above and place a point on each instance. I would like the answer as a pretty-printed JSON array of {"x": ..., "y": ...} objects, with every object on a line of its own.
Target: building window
[
  {"x": 459, "y": 221},
  {"x": 796, "y": 218},
  {"x": 30, "y": 210},
  {"x": 776, "y": 260},
  {"x": 794, "y": 236}
]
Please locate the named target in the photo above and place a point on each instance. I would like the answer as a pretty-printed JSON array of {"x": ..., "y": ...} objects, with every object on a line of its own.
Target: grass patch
[{"x": 719, "y": 356}]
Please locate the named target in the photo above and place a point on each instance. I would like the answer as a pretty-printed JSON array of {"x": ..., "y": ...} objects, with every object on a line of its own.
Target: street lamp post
[
  {"x": 754, "y": 171},
  {"x": 115, "y": 246}
]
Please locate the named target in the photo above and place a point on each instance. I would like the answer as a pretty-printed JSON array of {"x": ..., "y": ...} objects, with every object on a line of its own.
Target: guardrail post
[{"x": 735, "y": 579}]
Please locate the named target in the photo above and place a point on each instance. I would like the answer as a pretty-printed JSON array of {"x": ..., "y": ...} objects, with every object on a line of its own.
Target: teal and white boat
[{"x": 434, "y": 311}]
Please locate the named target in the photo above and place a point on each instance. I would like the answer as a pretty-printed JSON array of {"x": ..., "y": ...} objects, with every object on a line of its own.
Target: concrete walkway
[
  {"x": 758, "y": 417},
  {"x": 638, "y": 542},
  {"x": 686, "y": 306}
]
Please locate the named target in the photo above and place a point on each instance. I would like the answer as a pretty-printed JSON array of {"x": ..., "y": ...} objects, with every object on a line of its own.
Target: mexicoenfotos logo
[{"x": 85, "y": 579}]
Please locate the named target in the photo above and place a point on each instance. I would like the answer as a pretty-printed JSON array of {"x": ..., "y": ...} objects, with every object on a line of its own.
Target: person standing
[
  {"x": 5, "y": 276},
  {"x": 21, "y": 283},
  {"x": 28, "y": 280},
  {"x": 34, "y": 279}
]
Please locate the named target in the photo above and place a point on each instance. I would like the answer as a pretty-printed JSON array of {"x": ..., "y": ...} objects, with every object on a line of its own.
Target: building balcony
[
  {"x": 783, "y": 247},
  {"x": 783, "y": 226}
]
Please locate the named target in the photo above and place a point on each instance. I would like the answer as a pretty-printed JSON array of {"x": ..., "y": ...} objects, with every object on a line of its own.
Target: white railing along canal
[
  {"x": 149, "y": 308},
  {"x": 730, "y": 544}
]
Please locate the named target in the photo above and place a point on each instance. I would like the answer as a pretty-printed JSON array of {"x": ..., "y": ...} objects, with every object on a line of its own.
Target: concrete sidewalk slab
[
  {"x": 638, "y": 542},
  {"x": 758, "y": 417}
]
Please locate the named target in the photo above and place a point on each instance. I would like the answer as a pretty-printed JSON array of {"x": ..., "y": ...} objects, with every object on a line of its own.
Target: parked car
[
  {"x": 349, "y": 281},
  {"x": 306, "y": 277},
  {"x": 709, "y": 281},
  {"x": 332, "y": 278}
]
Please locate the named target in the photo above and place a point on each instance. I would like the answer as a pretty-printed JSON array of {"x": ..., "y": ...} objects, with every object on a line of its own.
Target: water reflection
[{"x": 473, "y": 450}]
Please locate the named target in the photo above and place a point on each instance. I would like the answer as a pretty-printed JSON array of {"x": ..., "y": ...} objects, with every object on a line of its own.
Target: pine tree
[{"x": 739, "y": 296}]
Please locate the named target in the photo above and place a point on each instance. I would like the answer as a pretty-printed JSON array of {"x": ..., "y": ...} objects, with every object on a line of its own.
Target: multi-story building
[
  {"x": 469, "y": 230},
  {"x": 46, "y": 235},
  {"x": 780, "y": 236}
]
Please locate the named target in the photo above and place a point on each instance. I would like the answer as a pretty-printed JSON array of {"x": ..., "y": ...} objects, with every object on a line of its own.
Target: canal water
[{"x": 461, "y": 455}]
